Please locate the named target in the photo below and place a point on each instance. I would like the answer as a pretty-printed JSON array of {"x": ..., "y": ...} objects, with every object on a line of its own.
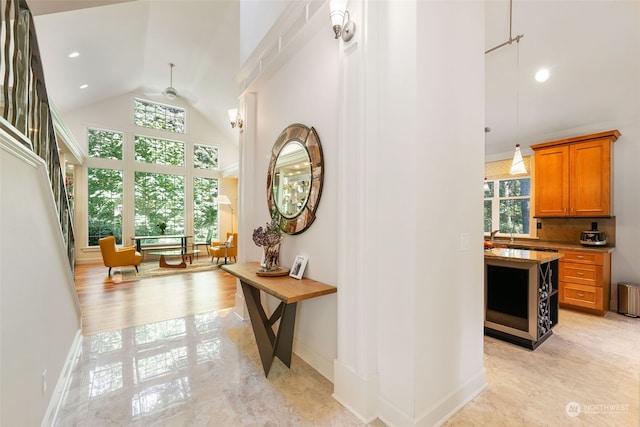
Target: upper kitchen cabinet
[{"x": 573, "y": 176}]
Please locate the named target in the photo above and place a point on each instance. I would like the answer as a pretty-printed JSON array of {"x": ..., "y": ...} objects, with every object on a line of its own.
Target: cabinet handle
[
  {"x": 580, "y": 256},
  {"x": 579, "y": 273},
  {"x": 580, "y": 294}
]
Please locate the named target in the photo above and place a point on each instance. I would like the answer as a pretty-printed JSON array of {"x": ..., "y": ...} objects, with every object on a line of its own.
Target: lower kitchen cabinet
[{"x": 585, "y": 281}]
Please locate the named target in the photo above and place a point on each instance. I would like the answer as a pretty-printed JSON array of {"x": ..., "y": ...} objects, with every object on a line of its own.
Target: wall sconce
[
  {"x": 338, "y": 13},
  {"x": 234, "y": 118}
]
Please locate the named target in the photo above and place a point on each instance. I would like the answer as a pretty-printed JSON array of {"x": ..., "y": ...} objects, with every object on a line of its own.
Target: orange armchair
[
  {"x": 114, "y": 257},
  {"x": 217, "y": 251}
]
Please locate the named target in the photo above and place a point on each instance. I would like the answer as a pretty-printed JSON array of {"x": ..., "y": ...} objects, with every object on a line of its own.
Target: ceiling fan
[{"x": 170, "y": 92}]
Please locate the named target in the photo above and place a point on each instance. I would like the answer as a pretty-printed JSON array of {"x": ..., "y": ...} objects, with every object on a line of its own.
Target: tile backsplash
[{"x": 569, "y": 229}]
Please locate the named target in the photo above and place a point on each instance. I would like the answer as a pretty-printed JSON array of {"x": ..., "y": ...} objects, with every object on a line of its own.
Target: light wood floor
[{"x": 108, "y": 304}]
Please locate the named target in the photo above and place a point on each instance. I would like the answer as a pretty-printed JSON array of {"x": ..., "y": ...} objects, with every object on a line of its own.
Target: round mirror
[
  {"x": 292, "y": 179},
  {"x": 295, "y": 178}
]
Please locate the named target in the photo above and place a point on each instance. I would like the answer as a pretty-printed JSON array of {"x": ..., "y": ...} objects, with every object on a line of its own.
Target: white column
[
  {"x": 356, "y": 366},
  {"x": 246, "y": 191},
  {"x": 409, "y": 295}
]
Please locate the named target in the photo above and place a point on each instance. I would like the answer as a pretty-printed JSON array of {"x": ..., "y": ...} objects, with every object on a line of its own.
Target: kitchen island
[{"x": 521, "y": 295}]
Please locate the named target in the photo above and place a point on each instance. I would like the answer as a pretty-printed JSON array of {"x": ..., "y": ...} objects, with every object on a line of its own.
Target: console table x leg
[{"x": 270, "y": 344}]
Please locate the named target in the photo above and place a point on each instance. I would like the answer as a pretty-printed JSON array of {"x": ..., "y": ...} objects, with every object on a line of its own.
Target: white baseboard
[
  {"x": 57, "y": 397},
  {"x": 315, "y": 360},
  {"x": 391, "y": 415},
  {"x": 452, "y": 403},
  {"x": 356, "y": 393}
]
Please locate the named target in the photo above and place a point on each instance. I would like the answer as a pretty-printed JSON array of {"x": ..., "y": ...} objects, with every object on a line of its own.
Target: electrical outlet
[
  {"x": 594, "y": 225},
  {"x": 539, "y": 225},
  {"x": 44, "y": 381}
]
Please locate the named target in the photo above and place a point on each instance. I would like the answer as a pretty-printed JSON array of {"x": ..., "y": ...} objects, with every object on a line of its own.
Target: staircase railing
[{"x": 24, "y": 105}]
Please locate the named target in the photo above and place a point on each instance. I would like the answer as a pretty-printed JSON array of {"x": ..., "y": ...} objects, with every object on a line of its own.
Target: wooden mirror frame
[{"x": 308, "y": 138}]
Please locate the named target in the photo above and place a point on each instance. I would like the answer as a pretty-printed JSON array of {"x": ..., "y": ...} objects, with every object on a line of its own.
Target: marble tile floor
[
  {"x": 586, "y": 374},
  {"x": 204, "y": 370},
  {"x": 199, "y": 370}
]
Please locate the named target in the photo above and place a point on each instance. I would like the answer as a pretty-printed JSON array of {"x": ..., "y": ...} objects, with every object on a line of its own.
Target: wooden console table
[{"x": 289, "y": 291}]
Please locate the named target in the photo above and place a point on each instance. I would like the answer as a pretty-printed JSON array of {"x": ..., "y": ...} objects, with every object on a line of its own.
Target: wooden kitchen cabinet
[
  {"x": 585, "y": 281},
  {"x": 573, "y": 176}
]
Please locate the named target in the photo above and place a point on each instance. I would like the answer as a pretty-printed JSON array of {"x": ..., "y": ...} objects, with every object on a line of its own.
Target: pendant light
[{"x": 517, "y": 165}]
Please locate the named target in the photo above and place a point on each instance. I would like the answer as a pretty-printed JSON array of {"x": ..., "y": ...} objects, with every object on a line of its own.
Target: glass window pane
[
  {"x": 514, "y": 216},
  {"x": 205, "y": 211},
  {"x": 487, "y": 216},
  {"x": 515, "y": 187},
  {"x": 159, "y": 198},
  {"x": 105, "y": 144},
  {"x": 159, "y": 151},
  {"x": 105, "y": 204},
  {"x": 205, "y": 157},
  {"x": 159, "y": 116},
  {"x": 488, "y": 189}
]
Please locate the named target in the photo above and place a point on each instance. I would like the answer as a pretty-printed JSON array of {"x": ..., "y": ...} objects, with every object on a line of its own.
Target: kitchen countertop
[
  {"x": 522, "y": 255},
  {"x": 549, "y": 245}
]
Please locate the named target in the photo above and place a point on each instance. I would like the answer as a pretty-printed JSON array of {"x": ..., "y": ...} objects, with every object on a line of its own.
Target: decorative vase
[{"x": 271, "y": 257}]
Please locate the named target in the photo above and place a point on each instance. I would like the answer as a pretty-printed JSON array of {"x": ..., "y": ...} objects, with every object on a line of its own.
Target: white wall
[
  {"x": 449, "y": 146},
  {"x": 302, "y": 91},
  {"x": 397, "y": 131},
  {"x": 116, "y": 114},
  {"x": 39, "y": 314}
]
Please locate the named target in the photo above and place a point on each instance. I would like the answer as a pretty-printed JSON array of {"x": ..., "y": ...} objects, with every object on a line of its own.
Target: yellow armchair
[
  {"x": 114, "y": 257},
  {"x": 217, "y": 251}
]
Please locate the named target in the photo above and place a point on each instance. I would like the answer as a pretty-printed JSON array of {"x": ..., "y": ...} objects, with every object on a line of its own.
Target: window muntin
[
  {"x": 205, "y": 157},
  {"x": 159, "y": 116},
  {"x": 105, "y": 144},
  {"x": 104, "y": 212},
  {"x": 159, "y": 198},
  {"x": 168, "y": 156},
  {"x": 159, "y": 151},
  {"x": 509, "y": 211}
]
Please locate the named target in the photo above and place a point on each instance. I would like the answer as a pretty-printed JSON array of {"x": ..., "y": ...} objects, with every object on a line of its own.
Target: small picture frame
[{"x": 299, "y": 264}]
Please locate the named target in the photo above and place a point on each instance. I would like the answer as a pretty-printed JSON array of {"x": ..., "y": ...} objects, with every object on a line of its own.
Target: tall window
[
  {"x": 159, "y": 198},
  {"x": 159, "y": 116},
  {"x": 104, "y": 187},
  {"x": 152, "y": 173},
  {"x": 105, "y": 204},
  {"x": 508, "y": 208},
  {"x": 205, "y": 211}
]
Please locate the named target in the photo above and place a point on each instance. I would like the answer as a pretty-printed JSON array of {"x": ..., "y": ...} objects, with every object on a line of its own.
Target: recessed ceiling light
[
  {"x": 74, "y": 54},
  {"x": 542, "y": 75},
  {"x": 84, "y": 86}
]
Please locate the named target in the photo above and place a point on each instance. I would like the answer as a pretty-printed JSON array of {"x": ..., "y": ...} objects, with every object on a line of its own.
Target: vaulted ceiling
[
  {"x": 126, "y": 46},
  {"x": 592, "y": 49}
]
